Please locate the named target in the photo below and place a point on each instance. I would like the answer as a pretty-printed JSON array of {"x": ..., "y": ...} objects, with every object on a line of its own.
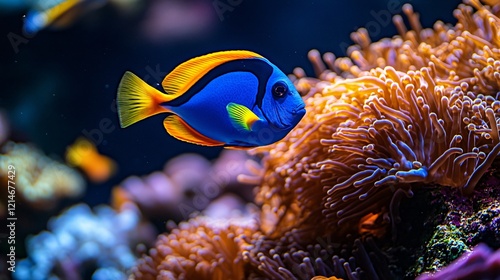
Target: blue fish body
[
  {"x": 240, "y": 99},
  {"x": 206, "y": 111}
]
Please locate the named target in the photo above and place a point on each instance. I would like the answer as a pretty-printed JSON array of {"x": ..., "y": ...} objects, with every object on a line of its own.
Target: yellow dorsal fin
[
  {"x": 179, "y": 129},
  {"x": 188, "y": 73}
]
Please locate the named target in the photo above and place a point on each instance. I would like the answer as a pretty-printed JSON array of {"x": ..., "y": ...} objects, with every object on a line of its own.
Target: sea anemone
[
  {"x": 410, "y": 128},
  {"x": 466, "y": 50},
  {"x": 367, "y": 140},
  {"x": 202, "y": 248},
  {"x": 348, "y": 259}
]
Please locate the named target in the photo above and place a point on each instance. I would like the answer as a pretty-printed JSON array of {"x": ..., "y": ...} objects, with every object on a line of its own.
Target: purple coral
[
  {"x": 187, "y": 184},
  {"x": 481, "y": 263}
]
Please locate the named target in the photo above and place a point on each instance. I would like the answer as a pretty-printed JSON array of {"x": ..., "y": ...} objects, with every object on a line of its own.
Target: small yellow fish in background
[
  {"x": 63, "y": 13},
  {"x": 84, "y": 155},
  {"x": 235, "y": 99}
]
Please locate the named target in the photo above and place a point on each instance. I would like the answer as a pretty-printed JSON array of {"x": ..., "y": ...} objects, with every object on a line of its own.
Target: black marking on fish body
[{"x": 257, "y": 66}]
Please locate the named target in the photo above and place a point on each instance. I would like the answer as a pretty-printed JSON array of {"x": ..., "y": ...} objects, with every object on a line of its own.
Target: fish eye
[{"x": 279, "y": 89}]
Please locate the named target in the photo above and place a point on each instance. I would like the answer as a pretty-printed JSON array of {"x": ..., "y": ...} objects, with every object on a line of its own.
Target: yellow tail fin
[{"x": 137, "y": 100}]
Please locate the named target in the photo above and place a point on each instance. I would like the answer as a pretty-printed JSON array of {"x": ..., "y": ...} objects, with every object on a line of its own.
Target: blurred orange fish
[{"x": 84, "y": 155}]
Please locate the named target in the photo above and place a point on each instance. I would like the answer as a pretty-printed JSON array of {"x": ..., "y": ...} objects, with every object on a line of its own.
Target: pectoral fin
[
  {"x": 241, "y": 117},
  {"x": 179, "y": 129}
]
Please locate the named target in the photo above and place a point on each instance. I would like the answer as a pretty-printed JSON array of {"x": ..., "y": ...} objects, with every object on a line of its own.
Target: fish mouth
[
  {"x": 297, "y": 115},
  {"x": 299, "y": 110}
]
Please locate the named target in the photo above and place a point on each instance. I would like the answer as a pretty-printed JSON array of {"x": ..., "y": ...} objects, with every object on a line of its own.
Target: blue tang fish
[{"x": 234, "y": 99}]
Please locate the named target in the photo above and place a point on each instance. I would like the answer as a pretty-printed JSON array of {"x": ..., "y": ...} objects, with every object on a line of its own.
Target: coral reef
[
  {"x": 227, "y": 206},
  {"x": 481, "y": 263},
  {"x": 80, "y": 240},
  {"x": 417, "y": 111},
  {"x": 187, "y": 184},
  {"x": 413, "y": 116},
  {"x": 155, "y": 195},
  {"x": 230, "y": 167},
  {"x": 454, "y": 226},
  {"x": 445, "y": 246},
  {"x": 40, "y": 181},
  {"x": 368, "y": 139}
]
